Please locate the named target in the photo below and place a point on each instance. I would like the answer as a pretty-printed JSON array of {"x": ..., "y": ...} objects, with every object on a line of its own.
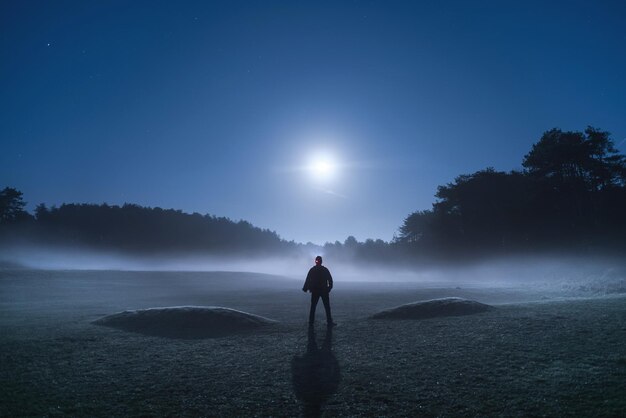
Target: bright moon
[{"x": 322, "y": 168}]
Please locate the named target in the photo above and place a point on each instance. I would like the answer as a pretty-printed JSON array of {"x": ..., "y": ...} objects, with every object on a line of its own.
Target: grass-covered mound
[
  {"x": 185, "y": 321},
  {"x": 433, "y": 308}
]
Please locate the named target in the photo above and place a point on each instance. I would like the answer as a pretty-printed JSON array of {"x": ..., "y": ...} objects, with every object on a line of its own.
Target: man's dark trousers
[{"x": 315, "y": 297}]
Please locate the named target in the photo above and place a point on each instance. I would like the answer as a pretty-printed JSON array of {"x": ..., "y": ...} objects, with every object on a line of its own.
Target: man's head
[{"x": 318, "y": 260}]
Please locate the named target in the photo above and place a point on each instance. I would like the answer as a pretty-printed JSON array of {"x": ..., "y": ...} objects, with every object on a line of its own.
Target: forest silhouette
[{"x": 570, "y": 196}]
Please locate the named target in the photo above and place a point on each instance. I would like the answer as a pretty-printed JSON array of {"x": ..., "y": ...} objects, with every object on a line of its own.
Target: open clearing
[{"x": 536, "y": 354}]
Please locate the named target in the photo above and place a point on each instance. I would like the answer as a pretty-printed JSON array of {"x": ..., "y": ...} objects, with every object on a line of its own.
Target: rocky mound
[
  {"x": 433, "y": 308},
  {"x": 186, "y": 321}
]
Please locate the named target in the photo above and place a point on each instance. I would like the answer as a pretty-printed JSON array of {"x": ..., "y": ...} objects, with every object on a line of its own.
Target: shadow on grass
[{"x": 315, "y": 374}]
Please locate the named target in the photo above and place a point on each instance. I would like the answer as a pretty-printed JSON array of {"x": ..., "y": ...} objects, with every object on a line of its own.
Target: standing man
[{"x": 319, "y": 282}]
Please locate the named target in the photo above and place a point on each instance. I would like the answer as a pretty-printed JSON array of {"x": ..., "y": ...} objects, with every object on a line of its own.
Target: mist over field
[
  {"x": 551, "y": 345},
  {"x": 597, "y": 274}
]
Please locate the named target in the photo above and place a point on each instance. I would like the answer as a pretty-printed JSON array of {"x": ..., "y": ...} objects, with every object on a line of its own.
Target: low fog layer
[{"x": 606, "y": 275}]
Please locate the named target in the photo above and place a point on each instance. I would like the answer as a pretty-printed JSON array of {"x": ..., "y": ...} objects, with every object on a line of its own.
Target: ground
[{"x": 536, "y": 354}]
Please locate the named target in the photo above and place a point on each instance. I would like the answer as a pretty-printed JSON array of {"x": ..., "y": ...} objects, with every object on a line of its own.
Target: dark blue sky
[{"x": 219, "y": 107}]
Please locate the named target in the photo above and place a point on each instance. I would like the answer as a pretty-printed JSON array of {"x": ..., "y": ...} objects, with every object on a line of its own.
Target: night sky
[{"x": 317, "y": 120}]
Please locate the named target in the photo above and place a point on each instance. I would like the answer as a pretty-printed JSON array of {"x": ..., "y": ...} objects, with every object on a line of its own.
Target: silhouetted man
[{"x": 319, "y": 282}]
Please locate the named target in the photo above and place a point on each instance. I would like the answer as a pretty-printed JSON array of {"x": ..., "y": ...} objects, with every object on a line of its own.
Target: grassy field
[{"x": 537, "y": 354}]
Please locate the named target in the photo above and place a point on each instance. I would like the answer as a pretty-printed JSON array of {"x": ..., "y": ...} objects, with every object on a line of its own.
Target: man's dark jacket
[{"x": 318, "y": 280}]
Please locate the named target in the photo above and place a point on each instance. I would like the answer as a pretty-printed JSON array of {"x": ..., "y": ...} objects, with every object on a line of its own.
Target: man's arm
[
  {"x": 306, "y": 282},
  {"x": 330, "y": 280}
]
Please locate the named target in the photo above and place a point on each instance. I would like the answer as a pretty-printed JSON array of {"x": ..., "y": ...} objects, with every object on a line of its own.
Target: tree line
[
  {"x": 569, "y": 196},
  {"x": 132, "y": 228}
]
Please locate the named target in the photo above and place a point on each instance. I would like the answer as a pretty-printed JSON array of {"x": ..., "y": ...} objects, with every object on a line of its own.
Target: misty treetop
[
  {"x": 12, "y": 206},
  {"x": 586, "y": 161},
  {"x": 571, "y": 195}
]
